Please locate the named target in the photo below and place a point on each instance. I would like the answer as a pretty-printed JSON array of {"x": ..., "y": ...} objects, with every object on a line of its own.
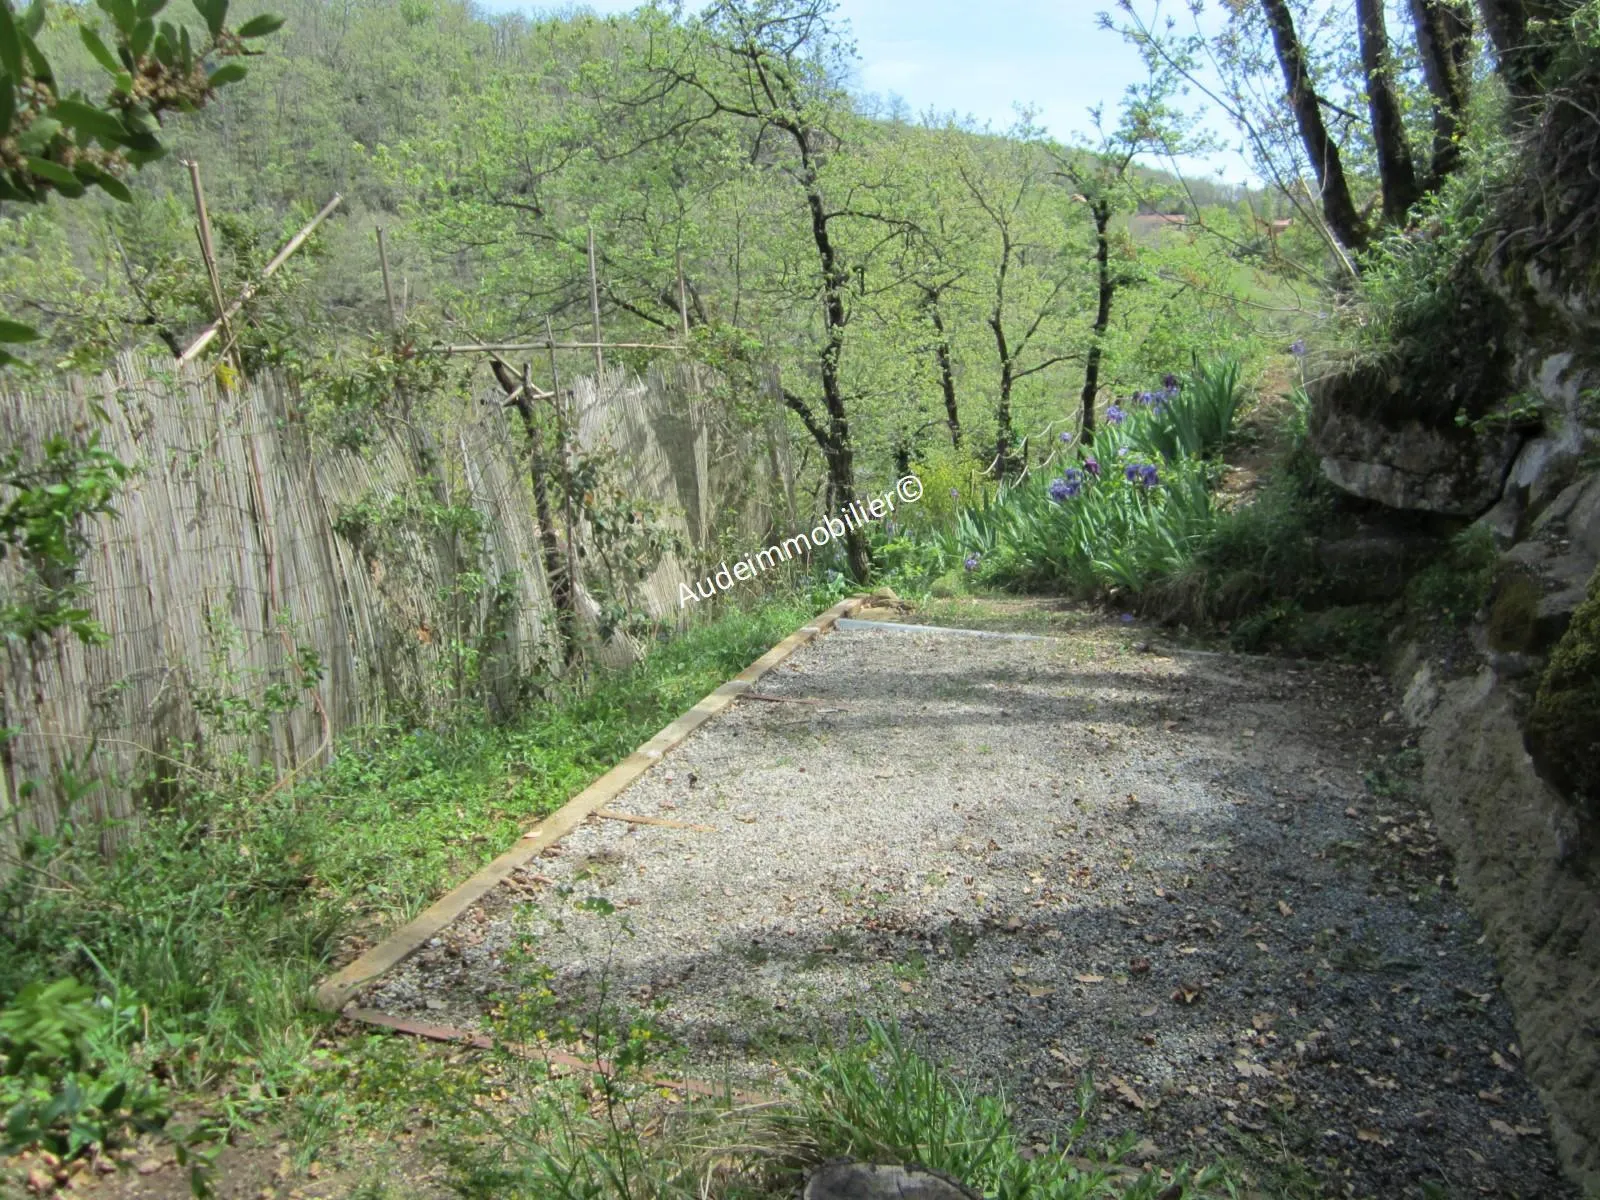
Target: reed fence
[{"x": 231, "y": 579}]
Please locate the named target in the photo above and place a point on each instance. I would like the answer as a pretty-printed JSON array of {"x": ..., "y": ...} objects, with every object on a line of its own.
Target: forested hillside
[{"x": 947, "y": 292}]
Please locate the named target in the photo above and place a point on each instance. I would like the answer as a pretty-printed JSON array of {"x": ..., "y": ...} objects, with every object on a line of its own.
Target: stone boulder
[
  {"x": 877, "y": 1181},
  {"x": 1414, "y": 468}
]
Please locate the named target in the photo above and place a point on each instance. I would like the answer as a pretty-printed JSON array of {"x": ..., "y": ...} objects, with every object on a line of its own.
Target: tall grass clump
[{"x": 878, "y": 1100}]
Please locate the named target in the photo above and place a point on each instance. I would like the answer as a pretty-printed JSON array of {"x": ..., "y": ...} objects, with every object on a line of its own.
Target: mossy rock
[
  {"x": 1513, "y": 613},
  {"x": 948, "y": 586},
  {"x": 1563, "y": 731}
]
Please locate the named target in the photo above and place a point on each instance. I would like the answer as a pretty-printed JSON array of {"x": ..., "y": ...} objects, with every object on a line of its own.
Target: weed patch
[{"x": 234, "y": 897}]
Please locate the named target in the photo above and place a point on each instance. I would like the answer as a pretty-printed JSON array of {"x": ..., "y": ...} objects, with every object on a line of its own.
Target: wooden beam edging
[
  {"x": 333, "y": 993},
  {"x": 479, "y": 1041}
]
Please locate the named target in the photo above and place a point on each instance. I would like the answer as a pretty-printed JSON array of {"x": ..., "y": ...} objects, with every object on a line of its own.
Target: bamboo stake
[
  {"x": 388, "y": 287},
  {"x": 662, "y": 822},
  {"x": 594, "y": 310},
  {"x": 278, "y": 259},
  {"x": 683, "y": 305},
  {"x": 522, "y": 347},
  {"x": 207, "y": 247}
]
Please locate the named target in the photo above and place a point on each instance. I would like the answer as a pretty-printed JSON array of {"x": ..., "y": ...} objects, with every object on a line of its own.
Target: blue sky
[{"x": 983, "y": 57}]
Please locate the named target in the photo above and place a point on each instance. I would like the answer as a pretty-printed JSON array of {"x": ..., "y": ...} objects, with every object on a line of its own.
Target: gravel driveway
[{"x": 1197, "y": 879}]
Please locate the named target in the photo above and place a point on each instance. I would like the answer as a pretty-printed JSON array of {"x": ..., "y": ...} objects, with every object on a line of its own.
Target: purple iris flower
[
  {"x": 1170, "y": 382},
  {"x": 1115, "y": 415},
  {"x": 1142, "y": 473},
  {"x": 1092, "y": 465},
  {"x": 1299, "y": 348},
  {"x": 1066, "y": 437},
  {"x": 1064, "y": 489},
  {"x": 972, "y": 561},
  {"x": 955, "y": 493}
]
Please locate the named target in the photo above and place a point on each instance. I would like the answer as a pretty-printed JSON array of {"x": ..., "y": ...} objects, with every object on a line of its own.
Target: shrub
[
  {"x": 57, "y": 1091},
  {"x": 1455, "y": 585}
]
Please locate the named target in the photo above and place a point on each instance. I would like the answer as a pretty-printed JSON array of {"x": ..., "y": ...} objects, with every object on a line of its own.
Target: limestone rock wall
[{"x": 1531, "y": 875}]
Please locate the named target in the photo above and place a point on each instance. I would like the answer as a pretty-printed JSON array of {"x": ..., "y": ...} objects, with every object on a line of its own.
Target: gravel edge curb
[{"x": 333, "y": 993}]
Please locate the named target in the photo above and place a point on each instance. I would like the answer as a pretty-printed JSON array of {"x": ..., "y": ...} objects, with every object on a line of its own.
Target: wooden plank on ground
[
  {"x": 340, "y": 987},
  {"x": 662, "y": 822}
]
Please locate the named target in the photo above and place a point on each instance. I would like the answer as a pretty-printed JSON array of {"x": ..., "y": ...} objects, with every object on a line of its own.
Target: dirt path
[{"x": 1053, "y": 859}]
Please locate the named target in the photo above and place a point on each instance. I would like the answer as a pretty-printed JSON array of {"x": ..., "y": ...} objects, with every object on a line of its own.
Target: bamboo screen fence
[{"x": 231, "y": 558}]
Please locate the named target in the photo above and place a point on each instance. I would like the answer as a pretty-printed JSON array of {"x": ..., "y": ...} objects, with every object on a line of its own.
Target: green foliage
[
  {"x": 877, "y": 1100},
  {"x": 1196, "y": 421},
  {"x": 41, "y": 525},
  {"x": 1114, "y": 524},
  {"x": 67, "y": 144},
  {"x": 56, "y": 1091},
  {"x": 350, "y": 393},
  {"x": 1412, "y": 279},
  {"x": 234, "y": 894},
  {"x": 1454, "y": 586}
]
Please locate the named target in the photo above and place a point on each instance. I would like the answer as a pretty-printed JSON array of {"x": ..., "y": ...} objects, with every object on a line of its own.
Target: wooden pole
[
  {"x": 207, "y": 247},
  {"x": 594, "y": 310},
  {"x": 519, "y": 347},
  {"x": 388, "y": 287},
  {"x": 683, "y": 304},
  {"x": 278, "y": 259}
]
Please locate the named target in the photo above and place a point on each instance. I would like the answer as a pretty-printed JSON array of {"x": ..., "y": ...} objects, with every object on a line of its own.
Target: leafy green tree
[
  {"x": 1103, "y": 172},
  {"x": 773, "y": 67}
]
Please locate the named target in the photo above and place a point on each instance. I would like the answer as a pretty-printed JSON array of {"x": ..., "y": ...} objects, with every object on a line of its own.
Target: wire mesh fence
[{"x": 253, "y": 611}]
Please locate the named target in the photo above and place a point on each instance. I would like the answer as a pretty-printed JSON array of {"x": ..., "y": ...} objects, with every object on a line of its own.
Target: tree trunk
[
  {"x": 947, "y": 373},
  {"x": 836, "y": 446},
  {"x": 1102, "y": 315},
  {"x": 1395, "y": 171},
  {"x": 1004, "y": 435},
  {"x": 1521, "y": 54},
  {"x": 1444, "y": 46},
  {"x": 1337, "y": 205},
  {"x": 563, "y": 596}
]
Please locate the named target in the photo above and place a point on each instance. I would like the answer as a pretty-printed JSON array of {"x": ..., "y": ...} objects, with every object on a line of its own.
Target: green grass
[
  {"x": 879, "y": 1100},
  {"x": 227, "y": 906},
  {"x": 874, "y": 1098}
]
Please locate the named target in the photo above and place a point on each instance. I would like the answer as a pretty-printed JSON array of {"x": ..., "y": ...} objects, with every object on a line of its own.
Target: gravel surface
[{"x": 1177, "y": 874}]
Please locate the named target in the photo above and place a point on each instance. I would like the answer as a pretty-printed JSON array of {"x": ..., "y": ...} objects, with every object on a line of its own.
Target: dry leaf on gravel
[
  {"x": 1126, "y": 1093},
  {"x": 1090, "y": 978},
  {"x": 1186, "y": 993},
  {"x": 1283, "y": 907}
]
